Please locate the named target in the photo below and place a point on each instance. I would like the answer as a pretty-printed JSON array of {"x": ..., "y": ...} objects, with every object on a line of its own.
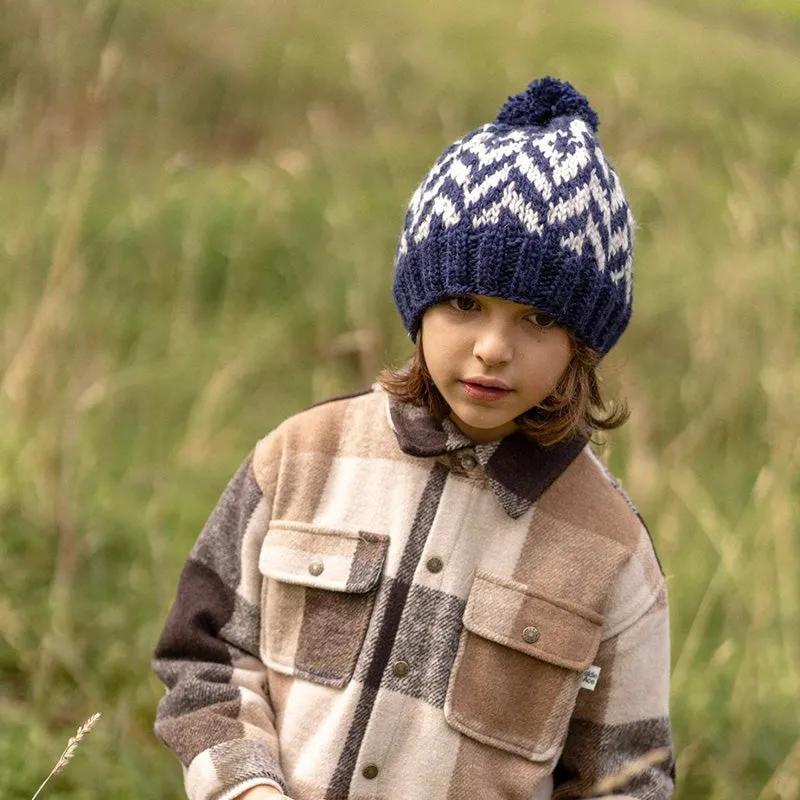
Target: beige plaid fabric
[{"x": 379, "y": 609}]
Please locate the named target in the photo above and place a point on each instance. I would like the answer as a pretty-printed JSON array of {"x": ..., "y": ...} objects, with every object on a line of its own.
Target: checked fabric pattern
[{"x": 350, "y": 624}]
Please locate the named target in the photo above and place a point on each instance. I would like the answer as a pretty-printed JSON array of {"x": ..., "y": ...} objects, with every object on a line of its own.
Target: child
[{"x": 433, "y": 589}]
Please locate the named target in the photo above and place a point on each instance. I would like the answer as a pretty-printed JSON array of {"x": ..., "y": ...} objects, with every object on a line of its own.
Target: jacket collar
[{"x": 519, "y": 469}]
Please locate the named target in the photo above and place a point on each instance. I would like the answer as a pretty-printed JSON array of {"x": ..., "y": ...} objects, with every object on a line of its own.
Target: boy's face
[{"x": 492, "y": 360}]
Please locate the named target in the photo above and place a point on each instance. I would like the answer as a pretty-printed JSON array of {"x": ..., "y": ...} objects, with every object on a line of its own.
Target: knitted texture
[{"x": 526, "y": 208}]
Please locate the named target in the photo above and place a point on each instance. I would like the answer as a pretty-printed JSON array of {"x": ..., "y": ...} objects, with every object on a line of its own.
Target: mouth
[{"x": 485, "y": 388}]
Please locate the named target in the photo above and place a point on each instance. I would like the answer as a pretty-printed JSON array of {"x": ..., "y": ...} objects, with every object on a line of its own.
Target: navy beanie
[{"x": 526, "y": 208}]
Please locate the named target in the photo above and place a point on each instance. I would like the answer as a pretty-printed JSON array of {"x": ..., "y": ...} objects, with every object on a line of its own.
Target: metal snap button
[
  {"x": 530, "y": 634},
  {"x": 401, "y": 668},
  {"x": 469, "y": 462},
  {"x": 434, "y": 564},
  {"x": 370, "y": 771},
  {"x": 316, "y": 568}
]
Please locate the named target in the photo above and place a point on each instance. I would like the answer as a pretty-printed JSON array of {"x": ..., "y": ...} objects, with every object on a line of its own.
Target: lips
[{"x": 488, "y": 391}]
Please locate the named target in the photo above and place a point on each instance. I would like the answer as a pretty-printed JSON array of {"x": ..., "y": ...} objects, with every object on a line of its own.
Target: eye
[
  {"x": 463, "y": 302},
  {"x": 541, "y": 319}
]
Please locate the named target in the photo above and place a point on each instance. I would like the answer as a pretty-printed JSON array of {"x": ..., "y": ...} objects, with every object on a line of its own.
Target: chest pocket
[
  {"x": 519, "y": 666},
  {"x": 317, "y": 600}
]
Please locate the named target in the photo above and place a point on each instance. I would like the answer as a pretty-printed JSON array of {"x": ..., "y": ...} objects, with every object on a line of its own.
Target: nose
[{"x": 494, "y": 344}]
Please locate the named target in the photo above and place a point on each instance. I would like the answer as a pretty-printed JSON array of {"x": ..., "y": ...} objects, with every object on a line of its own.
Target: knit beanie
[{"x": 526, "y": 208}]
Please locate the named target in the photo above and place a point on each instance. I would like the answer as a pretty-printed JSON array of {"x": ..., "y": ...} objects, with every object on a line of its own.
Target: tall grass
[
  {"x": 198, "y": 209},
  {"x": 69, "y": 751}
]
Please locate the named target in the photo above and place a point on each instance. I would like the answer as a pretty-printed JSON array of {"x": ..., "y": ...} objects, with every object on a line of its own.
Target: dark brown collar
[{"x": 518, "y": 468}]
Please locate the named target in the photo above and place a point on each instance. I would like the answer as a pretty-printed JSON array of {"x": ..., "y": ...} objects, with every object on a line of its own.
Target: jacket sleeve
[
  {"x": 619, "y": 743},
  {"x": 216, "y": 715}
]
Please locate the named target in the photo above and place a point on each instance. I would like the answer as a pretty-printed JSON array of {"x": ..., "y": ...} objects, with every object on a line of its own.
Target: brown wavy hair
[{"x": 576, "y": 406}]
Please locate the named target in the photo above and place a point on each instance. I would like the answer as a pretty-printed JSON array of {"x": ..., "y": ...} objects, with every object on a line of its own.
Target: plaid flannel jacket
[{"x": 380, "y": 609}]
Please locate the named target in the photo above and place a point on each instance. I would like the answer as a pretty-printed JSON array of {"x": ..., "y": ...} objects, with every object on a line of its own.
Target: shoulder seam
[
  {"x": 618, "y": 488},
  {"x": 637, "y": 614}
]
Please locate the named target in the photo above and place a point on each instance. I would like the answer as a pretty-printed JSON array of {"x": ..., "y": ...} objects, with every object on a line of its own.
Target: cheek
[
  {"x": 551, "y": 363},
  {"x": 428, "y": 354},
  {"x": 436, "y": 348},
  {"x": 423, "y": 342},
  {"x": 561, "y": 357},
  {"x": 560, "y": 366}
]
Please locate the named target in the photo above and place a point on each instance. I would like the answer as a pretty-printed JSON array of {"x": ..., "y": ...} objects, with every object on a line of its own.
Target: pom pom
[{"x": 544, "y": 100}]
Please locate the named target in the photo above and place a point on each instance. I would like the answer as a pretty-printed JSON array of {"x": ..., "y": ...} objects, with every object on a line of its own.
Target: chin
[{"x": 484, "y": 423}]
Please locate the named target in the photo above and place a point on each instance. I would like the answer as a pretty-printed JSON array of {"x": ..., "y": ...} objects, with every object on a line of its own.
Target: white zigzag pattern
[
  {"x": 510, "y": 154},
  {"x": 515, "y": 203}
]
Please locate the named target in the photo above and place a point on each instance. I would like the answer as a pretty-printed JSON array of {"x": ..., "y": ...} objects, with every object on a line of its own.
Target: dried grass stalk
[
  {"x": 620, "y": 779},
  {"x": 69, "y": 752}
]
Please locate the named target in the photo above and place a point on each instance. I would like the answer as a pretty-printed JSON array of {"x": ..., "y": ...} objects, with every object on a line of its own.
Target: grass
[
  {"x": 69, "y": 752},
  {"x": 198, "y": 213}
]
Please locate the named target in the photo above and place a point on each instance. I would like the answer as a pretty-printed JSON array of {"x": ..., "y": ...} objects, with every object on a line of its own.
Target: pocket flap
[
  {"x": 322, "y": 558},
  {"x": 510, "y": 614}
]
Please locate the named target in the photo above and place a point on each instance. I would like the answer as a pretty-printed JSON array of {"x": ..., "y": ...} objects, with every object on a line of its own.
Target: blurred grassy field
[{"x": 199, "y": 203}]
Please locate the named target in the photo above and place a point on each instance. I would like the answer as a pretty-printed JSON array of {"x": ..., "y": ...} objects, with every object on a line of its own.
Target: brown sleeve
[
  {"x": 620, "y": 732},
  {"x": 216, "y": 715}
]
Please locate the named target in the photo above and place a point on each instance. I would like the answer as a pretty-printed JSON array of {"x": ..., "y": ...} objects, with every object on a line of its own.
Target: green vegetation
[{"x": 199, "y": 204}]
